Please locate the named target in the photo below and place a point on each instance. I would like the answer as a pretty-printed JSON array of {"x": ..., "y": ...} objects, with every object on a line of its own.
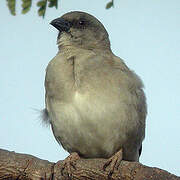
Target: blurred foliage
[
  {"x": 41, "y": 4},
  {"x": 110, "y": 4},
  {"x": 12, "y": 6},
  {"x": 26, "y": 5}
]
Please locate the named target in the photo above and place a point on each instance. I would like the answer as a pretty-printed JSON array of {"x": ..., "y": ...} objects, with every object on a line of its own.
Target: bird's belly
[{"x": 91, "y": 127}]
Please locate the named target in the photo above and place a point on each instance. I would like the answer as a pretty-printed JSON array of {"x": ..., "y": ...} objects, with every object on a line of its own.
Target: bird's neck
[
  {"x": 65, "y": 44},
  {"x": 75, "y": 49}
]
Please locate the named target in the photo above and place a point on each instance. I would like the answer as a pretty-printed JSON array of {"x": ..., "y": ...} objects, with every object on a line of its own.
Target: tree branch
[{"x": 27, "y": 167}]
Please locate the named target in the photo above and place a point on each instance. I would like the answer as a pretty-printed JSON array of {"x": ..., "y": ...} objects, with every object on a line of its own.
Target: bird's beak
[{"x": 61, "y": 24}]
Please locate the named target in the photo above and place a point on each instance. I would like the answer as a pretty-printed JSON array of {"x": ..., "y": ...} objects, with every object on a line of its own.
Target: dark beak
[{"x": 61, "y": 24}]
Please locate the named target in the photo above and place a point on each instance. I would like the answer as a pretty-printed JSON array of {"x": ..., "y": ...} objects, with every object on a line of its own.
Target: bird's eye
[{"x": 81, "y": 23}]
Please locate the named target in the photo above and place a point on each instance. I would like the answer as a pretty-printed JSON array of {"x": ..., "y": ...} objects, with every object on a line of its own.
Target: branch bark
[{"x": 27, "y": 167}]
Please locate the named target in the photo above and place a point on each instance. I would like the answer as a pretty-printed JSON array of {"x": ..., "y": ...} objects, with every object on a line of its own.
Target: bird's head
[{"x": 82, "y": 30}]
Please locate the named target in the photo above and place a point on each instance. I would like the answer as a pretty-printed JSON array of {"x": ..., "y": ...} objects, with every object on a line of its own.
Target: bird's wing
[{"x": 138, "y": 100}]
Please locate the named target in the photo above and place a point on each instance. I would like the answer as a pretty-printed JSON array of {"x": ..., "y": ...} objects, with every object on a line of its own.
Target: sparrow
[{"x": 95, "y": 104}]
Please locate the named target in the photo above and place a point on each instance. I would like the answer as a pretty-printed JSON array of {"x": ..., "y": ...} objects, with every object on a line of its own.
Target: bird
[{"x": 95, "y": 104}]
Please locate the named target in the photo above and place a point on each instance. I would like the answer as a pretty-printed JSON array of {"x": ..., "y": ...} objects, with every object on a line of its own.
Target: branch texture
[{"x": 27, "y": 167}]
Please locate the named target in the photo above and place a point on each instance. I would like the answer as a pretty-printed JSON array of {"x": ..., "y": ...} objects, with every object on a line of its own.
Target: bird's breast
[
  {"x": 89, "y": 124},
  {"x": 89, "y": 107}
]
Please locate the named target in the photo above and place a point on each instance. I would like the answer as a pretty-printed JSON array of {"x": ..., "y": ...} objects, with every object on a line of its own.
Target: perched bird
[{"x": 94, "y": 102}]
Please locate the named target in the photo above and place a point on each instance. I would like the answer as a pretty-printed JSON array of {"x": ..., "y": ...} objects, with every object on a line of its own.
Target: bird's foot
[
  {"x": 113, "y": 162},
  {"x": 70, "y": 163}
]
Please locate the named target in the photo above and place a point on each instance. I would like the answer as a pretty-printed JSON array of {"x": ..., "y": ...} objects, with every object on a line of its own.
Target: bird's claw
[{"x": 113, "y": 162}]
